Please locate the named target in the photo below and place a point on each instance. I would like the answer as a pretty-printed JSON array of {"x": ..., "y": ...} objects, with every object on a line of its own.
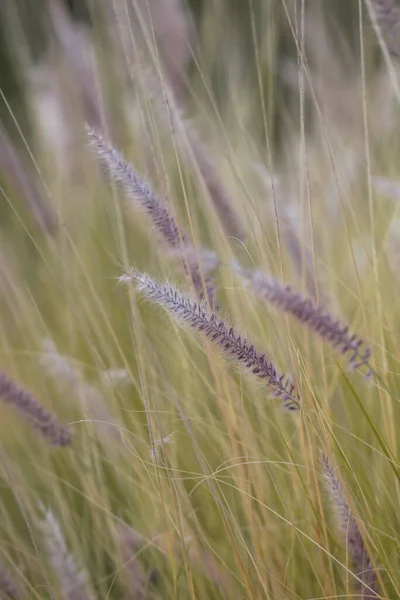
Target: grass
[{"x": 185, "y": 477}]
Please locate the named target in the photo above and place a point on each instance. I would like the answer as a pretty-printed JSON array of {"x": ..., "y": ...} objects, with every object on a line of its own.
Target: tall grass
[{"x": 172, "y": 470}]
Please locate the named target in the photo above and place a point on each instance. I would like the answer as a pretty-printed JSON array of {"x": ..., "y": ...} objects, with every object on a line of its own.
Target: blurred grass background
[{"x": 184, "y": 478}]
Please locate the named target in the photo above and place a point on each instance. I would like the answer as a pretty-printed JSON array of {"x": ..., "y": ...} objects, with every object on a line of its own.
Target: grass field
[{"x": 200, "y": 273}]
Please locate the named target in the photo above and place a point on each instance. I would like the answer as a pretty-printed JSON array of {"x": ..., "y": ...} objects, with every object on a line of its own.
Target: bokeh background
[{"x": 185, "y": 478}]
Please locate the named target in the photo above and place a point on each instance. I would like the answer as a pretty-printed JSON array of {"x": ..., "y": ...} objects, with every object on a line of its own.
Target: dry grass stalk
[
  {"x": 8, "y": 587},
  {"x": 191, "y": 146},
  {"x": 392, "y": 245},
  {"x": 31, "y": 409},
  {"x": 72, "y": 579},
  {"x": 75, "y": 50},
  {"x": 10, "y": 288},
  {"x": 188, "y": 311},
  {"x": 174, "y": 33},
  {"x": 300, "y": 255},
  {"x": 332, "y": 330},
  {"x": 139, "y": 190},
  {"x": 135, "y": 577},
  {"x": 198, "y": 266},
  {"x": 204, "y": 563},
  {"x": 61, "y": 369},
  {"x": 360, "y": 558},
  {"x": 200, "y": 561}
]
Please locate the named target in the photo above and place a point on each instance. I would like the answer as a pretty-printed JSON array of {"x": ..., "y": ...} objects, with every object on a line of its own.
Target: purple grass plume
[
  {"x": 387, "y": 14},
  {"x": 33, "y": 412},
  {"x": 8, "y": 587},
  {"x": 215, "y": 329},
  {"x": 65, "y": 373},
  {"x": 138, "y": 189},
  {"x": 317, "y": 318},
  {"x": 71, "y": 578},
  {"x": 361, "y": 561}
]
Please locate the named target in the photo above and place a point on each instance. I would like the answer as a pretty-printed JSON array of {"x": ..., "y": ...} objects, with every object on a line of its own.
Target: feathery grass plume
[
  {"x": 58, "y": 366},
  {"x": 72, "y": 579},
  {"x": 361, "y": 561},
  {"x": 138, "y": 189},
  {"x": 31, "y": 409},
  {"x": 8, "y": 587},
  {"x": 191, "y": 146},
  {"x": 61, "y": 369},
  {"x": 335, "y": 332},
  {"x": 388, "y": 18},
  {"x": 215, "y": 329}
]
